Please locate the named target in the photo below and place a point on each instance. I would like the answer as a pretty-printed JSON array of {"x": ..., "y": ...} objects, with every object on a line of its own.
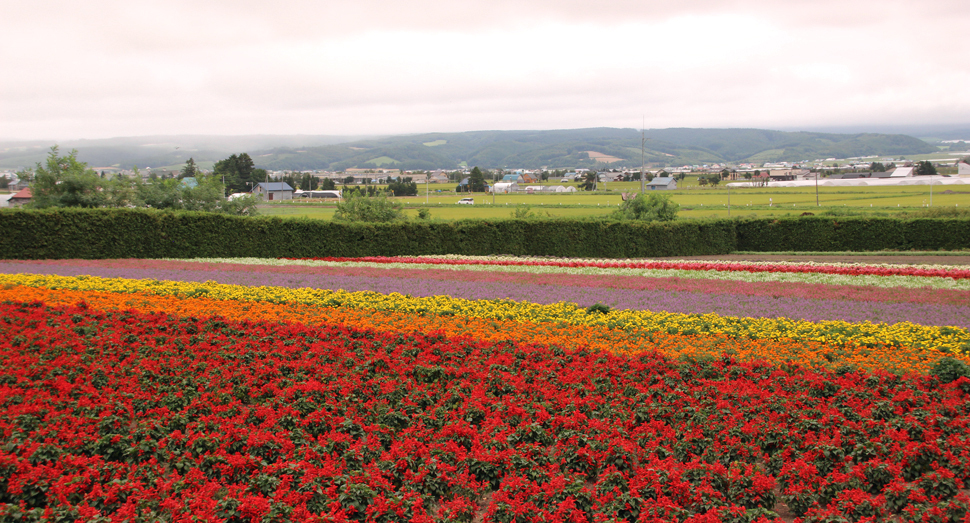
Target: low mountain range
[{"x": 591, "y": 148}]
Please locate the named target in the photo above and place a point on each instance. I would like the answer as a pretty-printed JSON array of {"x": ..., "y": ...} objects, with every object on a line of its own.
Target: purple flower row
[{"x": 654, "y": 300}]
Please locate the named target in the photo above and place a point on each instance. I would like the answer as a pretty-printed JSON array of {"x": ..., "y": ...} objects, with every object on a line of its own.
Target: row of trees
[
  {"x": 64, "y": 181},
  {"x": 239, "y": 172},
  {"x": 396, "y": 187},
  {"x": 305, "y": 182}
]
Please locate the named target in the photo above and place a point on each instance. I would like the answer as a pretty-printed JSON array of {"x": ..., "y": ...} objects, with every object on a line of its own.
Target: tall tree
[
  {"x": 190, "y": 170},
  {"x": 240, "y": 172},
  {"x": 63, "y": 181},
  {"x": 476, "y": 180}
]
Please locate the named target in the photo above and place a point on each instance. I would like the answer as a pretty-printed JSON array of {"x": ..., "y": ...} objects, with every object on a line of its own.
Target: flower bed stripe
[
  {"x": 765, "y": 306},
  {"x": 815, "y": 354},
  {"x": 904, "y": 334},
  {"x": 910, "y": 282},
  {"x": 860, "y": 293},
  {"x": 691, "y": 265}
]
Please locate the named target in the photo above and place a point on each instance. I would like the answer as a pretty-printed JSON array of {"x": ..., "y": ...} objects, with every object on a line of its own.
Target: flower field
[{"x": 482, "y": 389}]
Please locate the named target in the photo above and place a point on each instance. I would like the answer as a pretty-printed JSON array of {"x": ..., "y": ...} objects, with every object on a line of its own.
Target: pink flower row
[{"x": 849, "y": 270}]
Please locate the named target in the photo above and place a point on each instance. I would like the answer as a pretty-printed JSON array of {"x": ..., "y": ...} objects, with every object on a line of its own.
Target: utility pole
[
  {"x": 816, "y": 190},
  {"x": 643, "y": 141}
]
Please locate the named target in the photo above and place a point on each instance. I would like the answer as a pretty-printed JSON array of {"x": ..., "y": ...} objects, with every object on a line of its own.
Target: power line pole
[
  {"x": 816, "y": 190},
  {"x": 643, "y": 141}
]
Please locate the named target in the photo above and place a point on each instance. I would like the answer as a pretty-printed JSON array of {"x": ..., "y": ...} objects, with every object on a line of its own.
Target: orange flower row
[{"x": 814, "y": 354}]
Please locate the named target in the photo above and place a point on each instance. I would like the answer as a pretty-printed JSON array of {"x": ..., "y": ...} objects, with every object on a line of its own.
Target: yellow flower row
[{"x": 945, "y": 339}]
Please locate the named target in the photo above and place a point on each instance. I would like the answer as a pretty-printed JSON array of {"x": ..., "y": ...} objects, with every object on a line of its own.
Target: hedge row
[
  {"x": 124, "y": 233},
  {"x": 852, "y": 234}
]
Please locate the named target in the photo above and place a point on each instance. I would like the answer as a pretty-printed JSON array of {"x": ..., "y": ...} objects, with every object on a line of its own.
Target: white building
[
  {"x": 505, "y": 187},
  {"x": 662, "y": 183}
]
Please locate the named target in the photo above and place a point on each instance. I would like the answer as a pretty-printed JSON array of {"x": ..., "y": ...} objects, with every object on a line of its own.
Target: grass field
[{"x": 695, "y": 202}]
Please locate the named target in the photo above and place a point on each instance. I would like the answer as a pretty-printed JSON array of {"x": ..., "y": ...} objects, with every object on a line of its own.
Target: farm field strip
[
  {"x": 853, "y": 269},
  {"x": 905, "y": 334},
  {"x": 674, "y": 345},
  {"x": 770, "y": 304},
  {"x": 767, "y": 276},
  {"x": 605, "y": 281}
]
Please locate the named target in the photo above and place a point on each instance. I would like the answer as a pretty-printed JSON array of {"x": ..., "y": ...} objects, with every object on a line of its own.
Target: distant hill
[
  {"x": 591, "y": 148},
  {"x": 156, "y": 151}
]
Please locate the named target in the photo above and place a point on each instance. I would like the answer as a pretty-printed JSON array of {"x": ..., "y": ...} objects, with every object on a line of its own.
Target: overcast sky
[{"x": 102, "y": 68}]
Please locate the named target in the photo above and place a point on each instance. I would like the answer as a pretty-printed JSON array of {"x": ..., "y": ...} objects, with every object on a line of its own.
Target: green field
[
  {"x": 695, "y": 202},
  {"x": 383, "y": 160}
]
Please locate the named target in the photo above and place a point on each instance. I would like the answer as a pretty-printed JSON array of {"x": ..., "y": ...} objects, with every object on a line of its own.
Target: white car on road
[{"x": 466, "y": 201}]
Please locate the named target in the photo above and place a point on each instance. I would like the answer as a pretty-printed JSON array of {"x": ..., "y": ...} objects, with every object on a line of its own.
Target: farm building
[
  {"x": 855, "y": 176},
  {"x": 963, "y": 169},
  {"x": 663, "y": 183},
  {"x": 20, "y": 197},
  {"x": 548, "y": 188},
  {"x": 274, "y": 191},
  {"x": 317, "y": 194},
  {"x": 506, "y": 187}
]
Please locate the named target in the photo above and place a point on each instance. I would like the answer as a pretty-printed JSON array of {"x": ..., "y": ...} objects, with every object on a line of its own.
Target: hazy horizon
[
  {"x": 962, "y": 130},
  {"x": 108, "y": 68}
]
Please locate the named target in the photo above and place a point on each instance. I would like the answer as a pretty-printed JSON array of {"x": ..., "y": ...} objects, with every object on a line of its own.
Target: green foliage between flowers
[
  {"x": 949, "y": 369},
  {"x": 137, "y": 233}
]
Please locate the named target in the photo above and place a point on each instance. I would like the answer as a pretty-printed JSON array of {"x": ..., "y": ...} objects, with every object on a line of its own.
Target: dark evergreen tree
[
  {"x": 476, "y": 180},
  {"x": 240, "y": 173},
  {"x": 925, "y": 168},
  {"x": 189, "y": 171}
]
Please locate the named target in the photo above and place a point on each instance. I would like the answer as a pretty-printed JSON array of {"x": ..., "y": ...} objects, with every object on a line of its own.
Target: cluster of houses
[{"x": 528, "y": 181}]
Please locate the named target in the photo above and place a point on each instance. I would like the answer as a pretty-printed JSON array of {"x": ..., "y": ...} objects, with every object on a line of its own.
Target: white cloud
[{"x": 108, "y": 68}]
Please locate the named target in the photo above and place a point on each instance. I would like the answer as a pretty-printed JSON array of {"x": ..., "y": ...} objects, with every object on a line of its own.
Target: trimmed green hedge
[
  {"x": 816, "y": 233},
  {"x": 127, "y": 233}
]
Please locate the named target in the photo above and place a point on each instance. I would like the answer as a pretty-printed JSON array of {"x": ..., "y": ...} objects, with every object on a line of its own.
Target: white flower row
[{"x": 461, "y": 257}]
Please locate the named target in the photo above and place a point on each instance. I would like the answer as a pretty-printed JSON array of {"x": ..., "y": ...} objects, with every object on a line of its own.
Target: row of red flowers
[
  {"x": 133, "y": 416},
  {"x": 850, "y": 270}
]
